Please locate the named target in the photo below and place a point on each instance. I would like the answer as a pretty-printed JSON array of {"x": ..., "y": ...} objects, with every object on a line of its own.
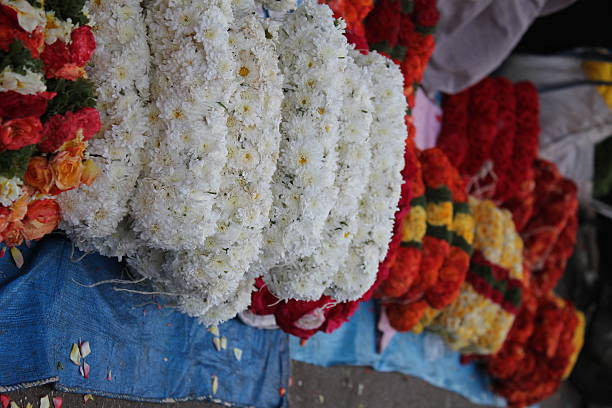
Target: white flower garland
[
  {"x": 119, "y": 68},
  {"x": 213, "y": 275},
  {"x": 313, "y": 55},
  {"x": 192, "y": 82},
  {"x": 308, "y": 278},
  {"x": 379, "y": 202}
]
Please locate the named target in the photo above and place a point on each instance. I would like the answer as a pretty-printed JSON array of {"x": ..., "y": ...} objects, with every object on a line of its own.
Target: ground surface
[{"x": 317, "y": 387}]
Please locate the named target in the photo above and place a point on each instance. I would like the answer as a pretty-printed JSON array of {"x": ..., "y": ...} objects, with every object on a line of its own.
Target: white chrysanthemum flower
[
  {"x": 10, "y": 190},
  {"x": 310, "y": 276},
  {"x": 91, "y": 215},
  {"x": 28, "y": 84},
  {"x": 213, "y": 278},
  {"x": 379, "y": 202},
  {"x": 303, "y": 189}
]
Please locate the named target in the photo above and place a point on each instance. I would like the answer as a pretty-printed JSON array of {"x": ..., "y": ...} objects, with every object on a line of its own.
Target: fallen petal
[
  {"x": 85, "y": 349},
  {"x": 75, "y": 354},
  {"x": 28, "y": 243},
  {"x": 224, "y": 343},
  {"x": 215, "y": 384},
  {"x": 2, "y": 252},
  {"x": 29, "y": 405},
  {"x": 57, "y": 402},
  {"x": 17, "y": 256},
  {"x": 109, "y": 375},
  {"x": 238, "y": 353},
  {"x": 214, "y": 330},
  {"x": 282, "y": 391},
  {"x": 87, "y": 397},
  {"x": 5, "y": 400},
  {"x": 44, "y": 402},
  {"x": 14, "y": 404},
  {"x": 84, "y": 369},
  {"x": 217, "y": 343}
]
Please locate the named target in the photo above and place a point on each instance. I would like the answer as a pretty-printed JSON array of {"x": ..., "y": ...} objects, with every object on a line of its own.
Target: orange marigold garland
[
  {"x": 406, "y": 311},
  {"x": 540, "y": 351}
]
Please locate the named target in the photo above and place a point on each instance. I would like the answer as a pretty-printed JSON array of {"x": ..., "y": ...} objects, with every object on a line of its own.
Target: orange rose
[
  {"x": 42, "y": 218},
  {"x": 67, "y": 169},
  {"x": 13, "y": 234},
  {"x": 39, "y": 174},
  {"x": 90, "y": 172}
]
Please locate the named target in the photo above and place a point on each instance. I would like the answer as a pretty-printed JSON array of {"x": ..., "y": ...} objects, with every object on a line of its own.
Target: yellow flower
[
  {"x": 414, "y": 225},
  {"x": 463, "y": 225},
  {"x": 440, "y": 214}
]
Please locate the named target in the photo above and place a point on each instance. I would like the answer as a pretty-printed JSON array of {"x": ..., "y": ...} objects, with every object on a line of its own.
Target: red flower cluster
[
  {"x": 68, "y": 60},
  {"x": 490, "y": 131},
  {"x": 54, "y": 161},
  {"x": 301, "y": 318},
  {"x": 550, "y": 233},
  {"x": 539, "y": 352}
]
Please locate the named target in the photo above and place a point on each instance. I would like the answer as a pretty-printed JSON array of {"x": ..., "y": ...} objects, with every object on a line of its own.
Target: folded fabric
[{"x": 141, "y": 347}]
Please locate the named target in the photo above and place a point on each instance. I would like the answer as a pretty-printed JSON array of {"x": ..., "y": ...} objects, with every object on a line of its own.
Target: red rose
[
  {"x": 68, "y": 61},
  {"x": 42, "y": 218},
  {"x": 18, "y": 133},
  {"x": 82, "y": 46},
  {"x": 14, "y": 105},
  {"x": 62, "y": 128}
]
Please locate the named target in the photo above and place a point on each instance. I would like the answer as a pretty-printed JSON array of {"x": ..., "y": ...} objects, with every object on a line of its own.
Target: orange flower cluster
[
  {"x": 44, "y": 128},
  {"x": 430, "y": 265},
  {"x": 540, "y": 350}
]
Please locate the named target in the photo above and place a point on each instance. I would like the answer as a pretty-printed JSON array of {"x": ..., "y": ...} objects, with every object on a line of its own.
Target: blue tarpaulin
[
  {"x": 424, "y": 356},
  {"x": 152, "y": 351}
]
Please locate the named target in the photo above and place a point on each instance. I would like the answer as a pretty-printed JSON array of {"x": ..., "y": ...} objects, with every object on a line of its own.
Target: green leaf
[
  {"x": 19, "y": 58},
  {"x": 14, "y": 163},
  {"x": 68, "y": 9},
  {"x": 71, "y": 96}
]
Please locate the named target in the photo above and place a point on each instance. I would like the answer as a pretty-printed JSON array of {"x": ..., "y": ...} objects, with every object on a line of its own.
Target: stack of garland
[
  {"x": 490, "y": 133},
  {"x": 429, "y": 267},
  {"x": 414, "y": 44},
  {"x": 46, "y": 114},
  {"x": 539, "y": 352}
]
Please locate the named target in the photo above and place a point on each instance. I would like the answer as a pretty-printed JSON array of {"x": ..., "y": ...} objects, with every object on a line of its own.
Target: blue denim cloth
[
  {"x": 155, "y": 353},
  {"x": 424, "y": 356}
]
